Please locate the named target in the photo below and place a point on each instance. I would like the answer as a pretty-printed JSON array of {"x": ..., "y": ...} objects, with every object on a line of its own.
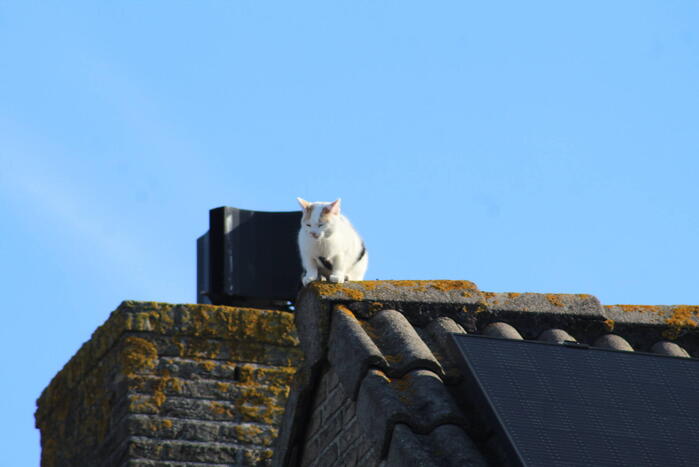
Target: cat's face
[{"x": 318, "y": 218}]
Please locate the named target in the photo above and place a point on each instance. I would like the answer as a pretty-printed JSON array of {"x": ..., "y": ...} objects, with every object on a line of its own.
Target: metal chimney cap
[{"x": 249, "y": 258}]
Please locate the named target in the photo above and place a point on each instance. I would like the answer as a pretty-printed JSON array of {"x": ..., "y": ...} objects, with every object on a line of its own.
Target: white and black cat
[{"x": 330, "y": 247}]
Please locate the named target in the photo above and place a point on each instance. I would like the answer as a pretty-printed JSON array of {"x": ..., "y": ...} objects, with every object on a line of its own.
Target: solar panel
[{"x": 572, "y": 405}]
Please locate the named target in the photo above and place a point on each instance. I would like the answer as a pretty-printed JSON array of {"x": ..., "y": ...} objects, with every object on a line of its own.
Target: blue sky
[{"x": 526, "y": 146}]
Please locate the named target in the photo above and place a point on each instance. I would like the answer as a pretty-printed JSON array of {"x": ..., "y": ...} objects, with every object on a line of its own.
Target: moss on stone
[{"x": 138, "y": 355}]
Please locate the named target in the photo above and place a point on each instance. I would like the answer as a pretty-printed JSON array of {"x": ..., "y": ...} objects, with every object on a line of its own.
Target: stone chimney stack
[{"x": 161, "y": 384}]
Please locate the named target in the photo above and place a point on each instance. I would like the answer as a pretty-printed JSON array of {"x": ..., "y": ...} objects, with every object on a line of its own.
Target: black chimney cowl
[{"x": 249, "y": 258}]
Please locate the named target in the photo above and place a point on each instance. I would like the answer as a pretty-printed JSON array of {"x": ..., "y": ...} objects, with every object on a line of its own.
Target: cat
[{"x": 330, "y": 247}]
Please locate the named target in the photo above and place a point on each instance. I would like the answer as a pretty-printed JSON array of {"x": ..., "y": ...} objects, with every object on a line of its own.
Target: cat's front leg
[
  {"x": 309, "y": 276},
  {"x": 339, "y": 275},
  {"x": 310, "y": 272}
]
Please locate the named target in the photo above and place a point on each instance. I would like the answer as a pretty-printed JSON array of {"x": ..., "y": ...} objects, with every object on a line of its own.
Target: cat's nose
[{"x": 315, "y": 235}]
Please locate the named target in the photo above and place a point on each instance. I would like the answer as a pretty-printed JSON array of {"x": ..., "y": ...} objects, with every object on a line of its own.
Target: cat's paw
[
  {"x": 337, "y": 278},
  {"x": 307, "y": 280}
]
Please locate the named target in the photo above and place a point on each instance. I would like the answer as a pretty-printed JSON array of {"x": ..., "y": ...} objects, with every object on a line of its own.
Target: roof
[{"x": 388, "y": 342}]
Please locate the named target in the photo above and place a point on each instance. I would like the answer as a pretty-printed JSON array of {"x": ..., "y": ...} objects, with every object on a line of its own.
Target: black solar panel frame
[{"x": 510, "y": 453}]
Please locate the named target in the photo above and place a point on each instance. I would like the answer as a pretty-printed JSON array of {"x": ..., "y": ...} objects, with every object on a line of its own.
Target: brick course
[{"x": 333, "y": 437}]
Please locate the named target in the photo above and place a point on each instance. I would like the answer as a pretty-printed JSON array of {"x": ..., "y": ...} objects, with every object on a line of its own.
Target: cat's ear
[
  {"x": 333, "y": 208},
  {"x": 304, "y": 204}
]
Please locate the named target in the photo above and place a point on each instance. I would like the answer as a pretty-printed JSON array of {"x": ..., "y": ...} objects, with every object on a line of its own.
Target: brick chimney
[{"x": 161, "y": 384}]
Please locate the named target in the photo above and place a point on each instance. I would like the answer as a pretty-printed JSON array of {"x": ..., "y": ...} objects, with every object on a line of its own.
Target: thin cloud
[{"x": 28, "y": 183}]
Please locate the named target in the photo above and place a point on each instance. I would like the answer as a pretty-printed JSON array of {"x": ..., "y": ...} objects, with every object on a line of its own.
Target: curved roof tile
[
  {"x": 501, "y": 329},
  {"x": 556, "y": 335},
  {"x": 669, "y": 348},
  {"x": 614, "y": 342},
  {"x": 400, "y": 343}
]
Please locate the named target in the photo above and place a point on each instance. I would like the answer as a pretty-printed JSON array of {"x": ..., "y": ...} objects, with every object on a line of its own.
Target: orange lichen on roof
[
  {"x": 238, "y": 323},
  {"x": 268, "y": 414},
  {"x": 346, "y": 311},
  {"x": 490, "y": 296},
  {"x": 452, "y": 285},
  {"x": 609, "y": 324},
  {"x": 220, "y": 409},
  {"x": 419, "y": 286},
  {"x": 513, "y": 295},
  {"x": 683, "y": 317},
  {"x": 554, "y": 299},
  {"x": 357, "y": 290},
  {"x": 327, "y": 288},
  {"x": 207, "y": 364},
  {"x": 383, "y": 375},
  {"x": 638, "y": 308},
  {"x": 254, "y": 434},
  {"x": 246, "y": 373},
  {"x": 137, "y": 355},
  {"x": 165, "y": 383},
  {"x": 142, "y": 404},
  {"x": 251, "y": 457},
  {"x": 148, "y": 316}
]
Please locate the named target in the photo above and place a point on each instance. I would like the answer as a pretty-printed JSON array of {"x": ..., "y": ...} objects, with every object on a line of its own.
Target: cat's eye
[
  {"x": 321, "y": 225},
  {"x": 308, "y": 225}
]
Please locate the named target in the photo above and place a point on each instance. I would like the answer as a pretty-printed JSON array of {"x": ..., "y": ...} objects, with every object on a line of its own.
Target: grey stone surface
[
  {"x": 455, "y": 447},
  {"x": 419, "y": 400},
  {"x": 162, "y": 384},
  {"x": 501, "y": 330},
  {"x": 407, "y": 449},
  {"x": 427, "y": 401},
  {"x": 669, "y": 348},
  {"x": 185, "y": 451},
  {"x": 612, "y": 341},
  {"x": 351, "y": 351},
  {"x": 457, "y": 293},
  {"x": 445, "y": 446},
  {"x": 378, "y": 408},
  {"x": 440, "y": 329},
  {"x": 580, "y": 315},
  {"x": 643, "y": 325},
  {"x": 638, "y": 314},
  {"x": 556, "y": 335},
  {"x": 400, "y": 344},
  {"x": 578, "y": 304},
  {"x": 437, "y": 335},
  {"x": 312, "y": 324}
]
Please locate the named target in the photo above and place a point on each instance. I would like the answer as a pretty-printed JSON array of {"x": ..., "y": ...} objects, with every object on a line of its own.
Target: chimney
[
  {"x": 171, "y": 383},
  {"x": 160, "y": 384}
]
